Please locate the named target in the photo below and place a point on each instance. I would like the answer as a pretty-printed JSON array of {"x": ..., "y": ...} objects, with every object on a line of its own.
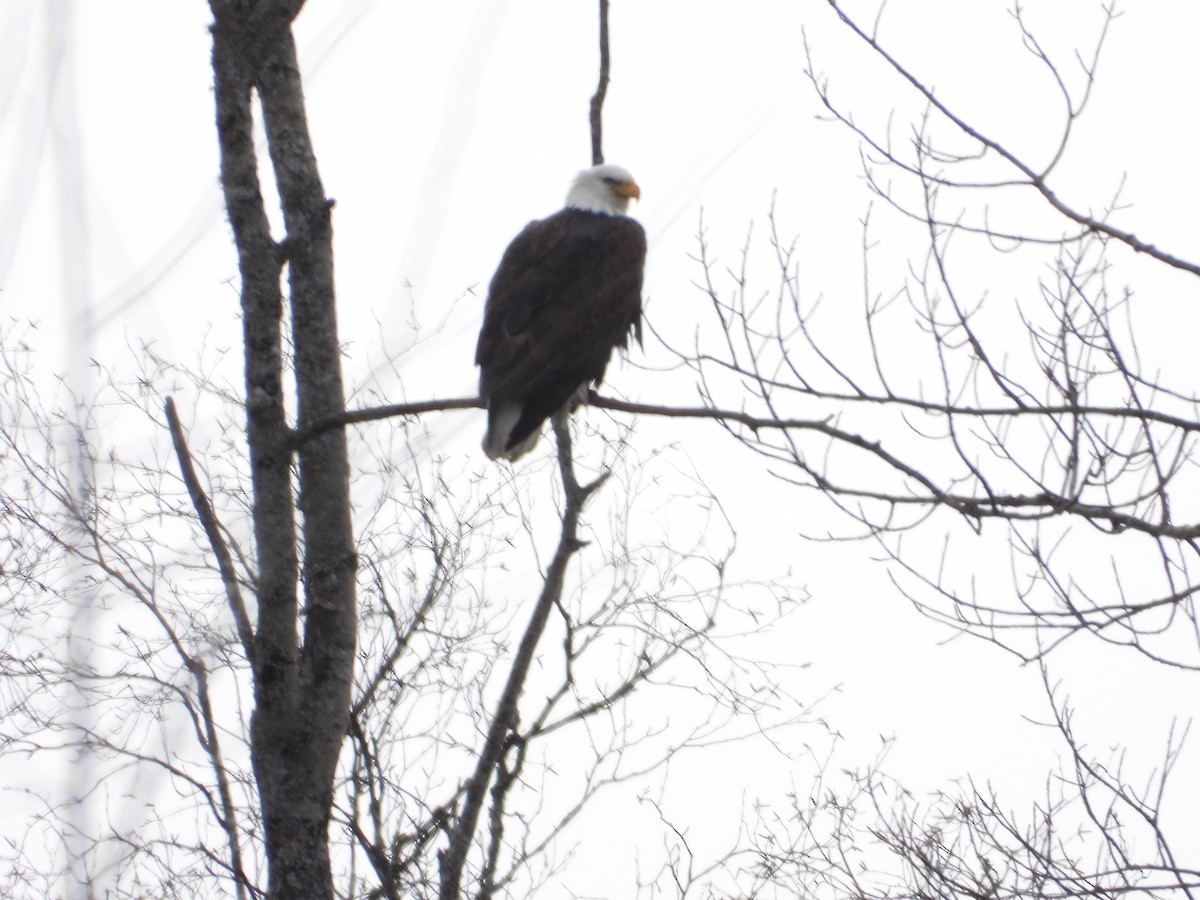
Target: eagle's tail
[{"x": 503, "y": 416}]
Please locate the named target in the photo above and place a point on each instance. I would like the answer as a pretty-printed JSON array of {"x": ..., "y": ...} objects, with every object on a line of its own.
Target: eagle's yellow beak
[{"x": 628, "y": 189}]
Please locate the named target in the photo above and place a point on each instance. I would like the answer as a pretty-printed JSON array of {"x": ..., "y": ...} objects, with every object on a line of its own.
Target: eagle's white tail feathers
[
  {"x": 578, "y": 398},
  {"x": 502, "y": 418}
]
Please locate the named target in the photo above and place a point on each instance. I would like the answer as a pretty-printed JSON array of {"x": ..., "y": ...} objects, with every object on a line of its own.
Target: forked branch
[{"x": 504, "y": 730}]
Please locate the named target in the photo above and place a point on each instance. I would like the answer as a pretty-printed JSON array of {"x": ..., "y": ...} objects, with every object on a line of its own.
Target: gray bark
[{"x": 303, "y": 657}]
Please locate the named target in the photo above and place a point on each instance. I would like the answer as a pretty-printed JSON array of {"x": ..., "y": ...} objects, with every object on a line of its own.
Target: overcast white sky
[{"x": 441, "y": 128}]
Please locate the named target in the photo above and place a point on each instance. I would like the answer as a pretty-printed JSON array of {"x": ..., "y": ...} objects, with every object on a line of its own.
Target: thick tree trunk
[{"x": 302, "y": 681}]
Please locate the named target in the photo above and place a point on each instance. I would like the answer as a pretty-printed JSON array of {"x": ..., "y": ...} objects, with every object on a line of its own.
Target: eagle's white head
[{"x": 603, "y": 189}]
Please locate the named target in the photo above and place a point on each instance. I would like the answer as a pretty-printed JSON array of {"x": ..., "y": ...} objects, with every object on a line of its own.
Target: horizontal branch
[
  {"x": 394, "y": 410},
  {"x": 1039, "y": 505},
  {"x": 375, "y": 413},
  {"x": 754, "y": 423}
]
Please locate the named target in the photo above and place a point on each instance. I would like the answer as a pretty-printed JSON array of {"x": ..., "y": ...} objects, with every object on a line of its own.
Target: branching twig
[{"x": 1035, "y": 179}]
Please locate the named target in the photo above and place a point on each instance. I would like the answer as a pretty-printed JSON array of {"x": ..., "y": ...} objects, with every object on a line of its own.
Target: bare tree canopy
[{"x": 287, "y": 641}]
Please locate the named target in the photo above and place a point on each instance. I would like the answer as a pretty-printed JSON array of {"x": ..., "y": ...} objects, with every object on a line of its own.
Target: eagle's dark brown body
[{"x": 567, "y": 292}]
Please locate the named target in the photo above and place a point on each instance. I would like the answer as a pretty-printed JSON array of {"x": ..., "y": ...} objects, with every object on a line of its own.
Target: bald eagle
[{"x": 567, "y": 293}]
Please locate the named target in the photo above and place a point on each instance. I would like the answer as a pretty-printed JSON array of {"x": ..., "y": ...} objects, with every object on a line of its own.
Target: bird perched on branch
[{"x": 567, "y": 293}]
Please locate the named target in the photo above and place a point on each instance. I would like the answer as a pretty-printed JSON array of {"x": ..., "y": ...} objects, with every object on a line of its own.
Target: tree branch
[
  {"x": 595, "y": 116},
  {"x": 505, "y": 724},
  {"x": 212, "y": 530},
  {"x": 1036, "y": 180},
  {"x": 301, "y": 436}
]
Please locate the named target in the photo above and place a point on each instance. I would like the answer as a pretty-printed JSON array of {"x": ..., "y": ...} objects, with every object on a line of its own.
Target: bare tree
[
  {"x": 1034, "y": 431},
  {"x": 1040, "y": 413},
  {"x": 344, "y": 710},
  {"x": 153, "y": 672},
  {"x": 353, "y": 708},
  {"x": 1094, "y": 832}
]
